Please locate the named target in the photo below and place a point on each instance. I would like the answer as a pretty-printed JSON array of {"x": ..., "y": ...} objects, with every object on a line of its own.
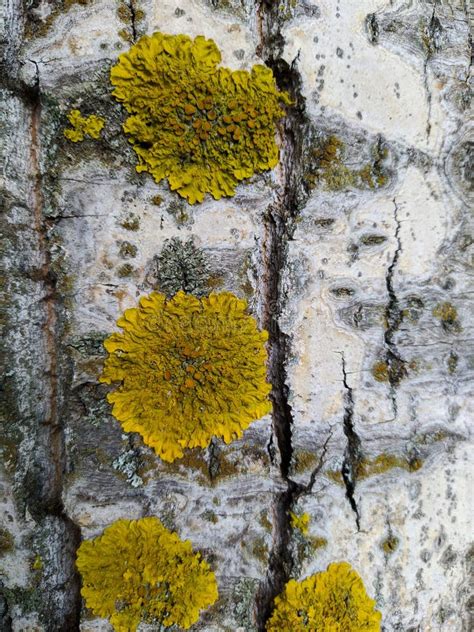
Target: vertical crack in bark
[
  {"x": 393, "y": 318},
  {"x": 352, "y": 453},
  {"x": 44, "y": 478},
  {"x": 133, "y": 19},
  {"x": 279, "y": 226}
]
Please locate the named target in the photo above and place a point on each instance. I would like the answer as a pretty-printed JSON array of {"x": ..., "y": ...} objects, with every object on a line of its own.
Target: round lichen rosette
[
  {"x": 334, "y": 600},
  {"x": 189, "y": 369},
  {"x": 203, "y": 127},
  {"x": 138, "y": 571}
]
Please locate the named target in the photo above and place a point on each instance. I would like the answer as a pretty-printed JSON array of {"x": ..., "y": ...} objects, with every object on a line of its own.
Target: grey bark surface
[{"x": 356, "y": 255}]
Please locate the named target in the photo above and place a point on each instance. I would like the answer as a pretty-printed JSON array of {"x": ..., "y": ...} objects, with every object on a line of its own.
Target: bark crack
[
  {"x": 279, "y": 226},
  {"x": 352, "y": 453},
  {"x": 396, "y": 368}
]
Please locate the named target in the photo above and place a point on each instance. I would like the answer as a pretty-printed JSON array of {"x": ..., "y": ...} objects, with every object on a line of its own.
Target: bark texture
[{"x": 356, "y": 255}]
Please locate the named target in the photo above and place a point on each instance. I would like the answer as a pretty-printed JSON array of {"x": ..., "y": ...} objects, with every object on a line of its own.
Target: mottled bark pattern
[{"x": 354, "y": 253}]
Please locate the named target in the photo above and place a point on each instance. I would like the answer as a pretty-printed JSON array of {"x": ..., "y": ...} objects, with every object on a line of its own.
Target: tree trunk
[{"x": 354, "y": 253}]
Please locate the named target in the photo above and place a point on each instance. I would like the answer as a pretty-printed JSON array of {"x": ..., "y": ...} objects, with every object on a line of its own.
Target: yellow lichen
[
  {"x": 203, "y": 127},
  {"x": 189, "y": 369},
  {"x": 300, "y": 522},
  {"x": 331, "y": 601},
  {"x": 138, "y": 571},
  {"x": 82, "y": 126}
]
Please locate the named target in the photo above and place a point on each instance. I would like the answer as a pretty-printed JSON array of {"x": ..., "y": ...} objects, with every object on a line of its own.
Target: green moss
[
  {"x": 193, "y": 460},
  {"x": 38, "y": 27},
  {"x": 125, "y": 270},
  {"x": 6, "y": 542},
  {"x": 225, "y": 468},
  {"x": 335, "y": 476},
  {"x": 317, "y": 542},
  {"x": 380, "y": 371},
  {"x": 394, "y": 371},
  {"x": 303, "y": 461},
  {"x": 386, "y": 462},
  {"x": 453, "y": 362},
  {"x": 331, "y": 171},
  {"x": 448, "y": 316},
  {"x": 264, "y": 521},
  {"x": 131, "y": 223},
  {"x": 129, "y": 13},
  {"x": 127, "y": 250},
  {"x": 390, "y": 544},
  {"x": 259, "y": 550},
  {"x": 157, "y": 200},
  {"x": 210, "y": 516}
]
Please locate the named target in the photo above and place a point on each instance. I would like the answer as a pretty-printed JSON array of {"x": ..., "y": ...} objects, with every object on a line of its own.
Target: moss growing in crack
[
  {"x": 131, "y": 15},
  {"x": 181, "y": 266},
  {"x": 393, "y": 372},
  {"x": 91, "y": 344},
  {"x": 6, "y": 541},
  {"x": 304, "y": 460},
  {"x": 448, "y": 316},
  {"x": 390, "y": 544}
]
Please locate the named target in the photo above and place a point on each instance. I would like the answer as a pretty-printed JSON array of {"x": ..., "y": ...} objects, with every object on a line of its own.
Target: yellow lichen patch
[
  {"x": 82, "y": 126},
  {"x": 203, "y": 127},
  {"x": 138, "y": 571},
  {"x": 189, "y": 369},
  {"x": 331, "y": 601},
  {"x": 300, "y": 522}
]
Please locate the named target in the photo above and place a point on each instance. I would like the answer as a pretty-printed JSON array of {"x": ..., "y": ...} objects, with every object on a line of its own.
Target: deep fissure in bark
[
  {"x": 352, "y": 453},
  {"x": 279, "y": 223}
]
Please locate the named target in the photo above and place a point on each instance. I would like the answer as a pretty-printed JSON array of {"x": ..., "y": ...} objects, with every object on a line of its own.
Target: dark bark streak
[
  {"x": 279, "y": 224},
  {"x": 393, "y": 319},
  {"x": 133, "y": 19},
  {"x": 43, "y": 480},
  {"x": 352, "y": 453}
]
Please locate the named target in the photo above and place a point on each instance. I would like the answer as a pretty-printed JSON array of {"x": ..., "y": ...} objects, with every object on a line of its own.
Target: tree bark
[{"x": 355, "y": 253}]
